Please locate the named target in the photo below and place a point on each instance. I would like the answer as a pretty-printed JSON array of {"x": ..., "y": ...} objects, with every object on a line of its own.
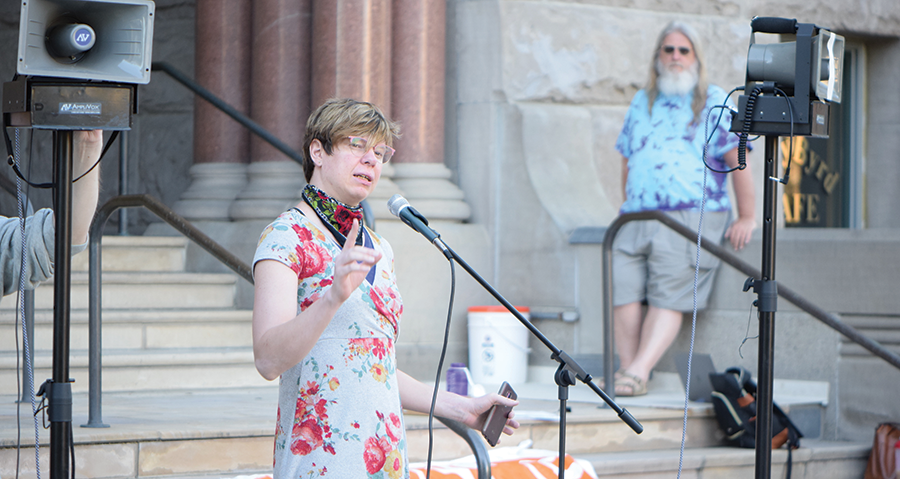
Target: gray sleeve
[{"x": 40, "y": 239}]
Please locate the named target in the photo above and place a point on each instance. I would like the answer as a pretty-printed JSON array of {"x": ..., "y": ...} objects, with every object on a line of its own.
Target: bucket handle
[{"x": 525, "y": 350}]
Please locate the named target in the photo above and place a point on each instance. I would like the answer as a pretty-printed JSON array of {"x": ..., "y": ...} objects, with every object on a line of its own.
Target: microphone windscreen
[{"x": 397, "y": 203}]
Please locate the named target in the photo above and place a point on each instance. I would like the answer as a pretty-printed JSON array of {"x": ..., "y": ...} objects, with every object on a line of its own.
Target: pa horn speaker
[
  {"x": 101, "y": 40},
  {"x": 777, "y": 62}
]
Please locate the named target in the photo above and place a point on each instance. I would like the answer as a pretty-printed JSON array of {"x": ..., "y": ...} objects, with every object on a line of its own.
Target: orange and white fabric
[{"x": 508, "y": 463}]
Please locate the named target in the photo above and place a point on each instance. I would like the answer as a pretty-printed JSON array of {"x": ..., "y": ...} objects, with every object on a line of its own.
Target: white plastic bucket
[{"x": 498, "y": 345}]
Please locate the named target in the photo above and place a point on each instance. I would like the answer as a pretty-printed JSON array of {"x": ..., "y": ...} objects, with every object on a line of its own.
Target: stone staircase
[
  {"x": 163, "y": 328},
  {"x": 869, "y": 386},
  {"x": 882, "y": 328},
  {"x": 182, "y": 398}
]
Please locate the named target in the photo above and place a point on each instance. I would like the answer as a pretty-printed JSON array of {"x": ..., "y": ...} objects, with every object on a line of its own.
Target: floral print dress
[{"x": 339, "y": 410}]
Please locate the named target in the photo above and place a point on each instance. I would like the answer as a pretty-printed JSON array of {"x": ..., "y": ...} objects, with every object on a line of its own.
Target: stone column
[
  {"x": 221, "y": 145},
  {"x": 418, "y": 93},
  {"x": 352, "y": 51},
  {"x": 280, "y": 92},
  {"x": 352, "y": 59}
]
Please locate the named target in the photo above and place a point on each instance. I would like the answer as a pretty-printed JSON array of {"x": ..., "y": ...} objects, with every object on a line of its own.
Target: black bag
[{"x": 734, "y": 400}]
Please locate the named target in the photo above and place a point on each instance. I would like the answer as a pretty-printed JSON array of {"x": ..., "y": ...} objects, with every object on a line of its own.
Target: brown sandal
[
  {"x": 628, "y": 385},
  {"x": 602, "y": 381}
]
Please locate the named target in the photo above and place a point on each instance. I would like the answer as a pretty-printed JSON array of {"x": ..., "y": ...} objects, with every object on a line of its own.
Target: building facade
[{"x": 510, "y": 110}]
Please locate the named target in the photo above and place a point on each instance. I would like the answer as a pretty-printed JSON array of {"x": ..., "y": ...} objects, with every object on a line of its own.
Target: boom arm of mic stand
[{"x": 566, "y": 361}]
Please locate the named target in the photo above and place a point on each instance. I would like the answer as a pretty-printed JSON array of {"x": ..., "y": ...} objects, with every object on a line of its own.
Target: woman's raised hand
[{"x": 351, "y": 266}]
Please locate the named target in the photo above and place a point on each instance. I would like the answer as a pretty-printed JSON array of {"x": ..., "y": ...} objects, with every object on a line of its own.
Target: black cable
[
  {"x": 6, "y": 124},
  {"x": 745, "y": 128},
  {"x": 787, "y": 169},
  {"x": 15, "y": 167},
  {"x": 437, "y": 379},
  {"x": 709, "y": 137},
  {"x": 72, "y": 447},
  {"x": 11, "y": 161},
  {"x": 109, "y": 143}
]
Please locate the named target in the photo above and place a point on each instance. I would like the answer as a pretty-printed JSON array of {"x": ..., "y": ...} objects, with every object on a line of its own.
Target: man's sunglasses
[{"x": 669, "y": 49}]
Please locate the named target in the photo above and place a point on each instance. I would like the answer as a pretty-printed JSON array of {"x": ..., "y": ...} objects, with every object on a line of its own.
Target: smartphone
[{"x": 497, "y": 416}]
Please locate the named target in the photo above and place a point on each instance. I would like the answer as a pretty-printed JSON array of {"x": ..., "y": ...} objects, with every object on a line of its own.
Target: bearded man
[{"x": 662, "y": 143}]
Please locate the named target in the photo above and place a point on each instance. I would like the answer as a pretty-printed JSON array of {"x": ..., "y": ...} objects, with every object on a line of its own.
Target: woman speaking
[{"x": 326, "y": 313}]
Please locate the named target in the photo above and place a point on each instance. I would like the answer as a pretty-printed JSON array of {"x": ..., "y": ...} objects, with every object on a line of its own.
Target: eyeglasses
[
  {"x": 669, "y": 49},
  {"x": 360, "y": 146}
]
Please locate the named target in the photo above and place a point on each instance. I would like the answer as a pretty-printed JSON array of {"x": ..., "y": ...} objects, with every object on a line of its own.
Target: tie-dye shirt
[
  {"x": 339, "y": 412},
  {"x": 665, "y": 150}
]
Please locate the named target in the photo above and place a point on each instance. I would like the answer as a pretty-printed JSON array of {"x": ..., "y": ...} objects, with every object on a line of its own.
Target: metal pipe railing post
[
  {"x": 95, "y": 345},
  {"x": 95, "y": 342},
  {"x": 123, "y": 181},
  {"x": 609, "y": 344}
]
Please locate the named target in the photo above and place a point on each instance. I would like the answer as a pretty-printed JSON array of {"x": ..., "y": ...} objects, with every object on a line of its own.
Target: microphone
[{"x": 401, "y": 208}]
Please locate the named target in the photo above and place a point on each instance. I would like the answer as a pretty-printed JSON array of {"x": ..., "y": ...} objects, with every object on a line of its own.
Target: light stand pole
[
  {"x": 60, "y": 393},
  {"x": 767, "y": 290}
]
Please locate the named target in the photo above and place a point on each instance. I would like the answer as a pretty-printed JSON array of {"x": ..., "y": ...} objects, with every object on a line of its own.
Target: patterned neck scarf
[{"x": 337, "y": 216}]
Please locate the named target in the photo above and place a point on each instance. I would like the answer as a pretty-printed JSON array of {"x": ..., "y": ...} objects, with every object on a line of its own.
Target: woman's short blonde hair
[{"x": 338, "y": 118}]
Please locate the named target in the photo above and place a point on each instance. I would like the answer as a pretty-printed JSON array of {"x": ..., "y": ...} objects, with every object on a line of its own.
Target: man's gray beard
[{"x": 677, "y": 83}]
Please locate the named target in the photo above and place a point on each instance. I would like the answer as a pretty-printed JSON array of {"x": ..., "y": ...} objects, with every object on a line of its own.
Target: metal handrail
[
  {"x": 227, "y": 109},
  {"x": 183, "y": 226},
  {"x": 482, "y": 458},
  {"x": 727, "y": 257}
]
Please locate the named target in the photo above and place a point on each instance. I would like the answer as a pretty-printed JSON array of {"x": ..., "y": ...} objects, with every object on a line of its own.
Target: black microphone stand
[{"x": 568, "y": 371}]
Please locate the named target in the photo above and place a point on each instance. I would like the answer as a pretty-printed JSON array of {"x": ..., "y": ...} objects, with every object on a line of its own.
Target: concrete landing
[{"x": 228, "y": 432}]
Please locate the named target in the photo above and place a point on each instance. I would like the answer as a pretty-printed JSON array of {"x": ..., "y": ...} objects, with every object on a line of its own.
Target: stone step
[
  {"x": 137, "y": 253},
  {"x": 814, "y": 459},
  {"x": 143, "y": 370},
  {"x": 143, "y": 290},
  {"x": 883, "y": 329},
  {"x": 872, "y": 322},
  {"x": 221, "y": 433},
  {"x": 141, "y": 329},
  {"x": 850, "y": 349}
]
